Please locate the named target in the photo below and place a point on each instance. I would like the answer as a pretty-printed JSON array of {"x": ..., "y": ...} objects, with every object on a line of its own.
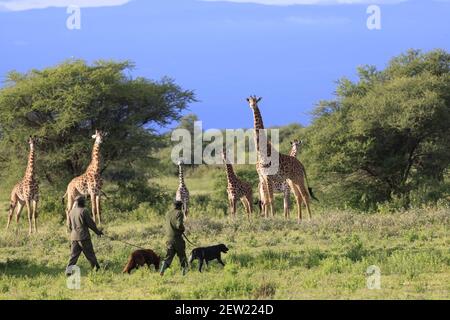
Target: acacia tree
[
  {"x": 387, "y": 133},
  {"x": 63, "y": 105}
]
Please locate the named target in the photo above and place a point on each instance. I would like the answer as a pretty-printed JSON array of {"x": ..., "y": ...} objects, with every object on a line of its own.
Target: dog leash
[
  {"x": 124, "y": 242},
  {"x": 189, "y": 241}
]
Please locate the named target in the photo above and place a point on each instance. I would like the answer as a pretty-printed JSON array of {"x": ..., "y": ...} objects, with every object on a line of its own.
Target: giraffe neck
[
  {"x": 231, "y": 176},
  {"x": 180, "y": 175},
  {"x": 94, "y": 166},
  {"x": 259, "y": 125},
  {"x": 294, "y": 151},
  {"x": 257, "y": 118},
  {"x": 29, "y": 172}
]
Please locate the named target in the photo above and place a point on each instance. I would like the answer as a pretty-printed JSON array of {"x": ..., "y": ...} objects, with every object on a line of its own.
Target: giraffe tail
[
  {"x": 310, "y": 190},
  {"x": 62, "y": 199}
]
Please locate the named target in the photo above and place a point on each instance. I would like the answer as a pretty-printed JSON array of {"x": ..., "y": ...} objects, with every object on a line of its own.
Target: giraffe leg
[
  {"x": 305, "y": 196},
  {"x": 261, "y": 198},
  {"x": 19, "y": 209},
  {"x": 266, "y": 201},
  {"x": 270, "y": 196},
  {"x": 230, "y": 205},
  {"x": 246, "y": 207},
  {"x": 98, "y": 207},
  {"x": 28, "y": 204},
  {"x": 233, "y": 208},
  {"x": 12, "y": 207},
  {"x": 298, "y": 198},
  {"x": 34, "y": 215},
  {"x": 249, "y": 199},
  {"x": 70, "y": 200},
  {"x": 20, "y": 206},
  {"x": 286, "y": 202},
  {"x": 93, "y": 208}
]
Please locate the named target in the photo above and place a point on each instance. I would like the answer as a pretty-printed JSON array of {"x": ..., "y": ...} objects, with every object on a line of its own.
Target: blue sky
[{"x": 290, "y": 55}]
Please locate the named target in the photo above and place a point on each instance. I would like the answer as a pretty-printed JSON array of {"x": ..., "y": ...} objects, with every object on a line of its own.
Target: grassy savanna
[{"x": 326, "y": 258}]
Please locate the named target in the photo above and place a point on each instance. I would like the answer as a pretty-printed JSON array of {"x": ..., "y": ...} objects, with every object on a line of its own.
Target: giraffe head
[
  {"x": 296, "y": 143},
  {"x": 98, "y": 136},
  {"x": 32, "y": 141},
  {"x": 253, "y": 101}
]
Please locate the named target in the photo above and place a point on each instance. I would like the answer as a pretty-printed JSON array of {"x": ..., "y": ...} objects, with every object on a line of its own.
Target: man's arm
[{"x": 90, "y": 223}]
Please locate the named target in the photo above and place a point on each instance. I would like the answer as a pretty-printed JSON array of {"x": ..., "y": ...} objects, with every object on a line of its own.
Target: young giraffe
[
  {"x": 281, "y": 186},
  {"x": 90, "y": 183},
  {"x": 182, "y": 191},
  {"x": 289, "y": 168},
  {"x": 237, "y": 189},
  {"x": 26, "y": 192},
  {"x": 294, "y": 150}
]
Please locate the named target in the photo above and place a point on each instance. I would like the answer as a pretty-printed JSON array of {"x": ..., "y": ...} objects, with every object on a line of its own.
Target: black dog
[{"x": 207, "y": 254}]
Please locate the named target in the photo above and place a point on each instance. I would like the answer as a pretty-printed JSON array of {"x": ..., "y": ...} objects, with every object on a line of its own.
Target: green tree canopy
[
  {"x": 386, "y": 133},
  {"x": 63, "y": 105}
]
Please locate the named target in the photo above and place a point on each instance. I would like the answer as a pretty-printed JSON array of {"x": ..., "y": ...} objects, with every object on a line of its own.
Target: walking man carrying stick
[
  {"x": 175, "y": 241},
  {"x": 79, "y": 224}
]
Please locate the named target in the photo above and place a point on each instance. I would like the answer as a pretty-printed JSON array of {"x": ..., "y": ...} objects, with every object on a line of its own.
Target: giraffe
[
  {"x": 26, "y": 192},
  {"x": 90, "y": 183},
  {"x": 237, "y": 189},
  {"x": 281, "y": 186},
  {"x": 289, "y": 168},
  {"x": 294, "y": 150},
  {"x": 182, "y": 191}
]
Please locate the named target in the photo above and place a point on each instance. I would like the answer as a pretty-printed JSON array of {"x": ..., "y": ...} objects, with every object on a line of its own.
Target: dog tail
[{"x": 129, "y": 266}]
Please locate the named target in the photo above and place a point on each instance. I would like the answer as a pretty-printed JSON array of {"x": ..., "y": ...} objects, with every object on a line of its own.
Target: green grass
[{"x": 326, "y": 258}]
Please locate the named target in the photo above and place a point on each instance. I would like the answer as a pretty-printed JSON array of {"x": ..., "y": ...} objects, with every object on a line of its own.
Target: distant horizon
[{"x": 226, "y": 50}]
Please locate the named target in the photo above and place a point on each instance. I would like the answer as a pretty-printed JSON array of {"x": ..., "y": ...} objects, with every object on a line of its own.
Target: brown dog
[{"x": 140, "y": 257}]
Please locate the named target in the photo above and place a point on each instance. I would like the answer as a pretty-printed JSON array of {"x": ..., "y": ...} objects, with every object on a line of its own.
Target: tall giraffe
[
  {"x": 237, "y": 189},
  {"x": 281, "y": 186},
  {"x": 182, "y": 191},
  {"x": 289, "y": 168},
  {"x": 264, "y": 180},
  {"x": 26, "y": 193},
  {"x": 90, "y": 183}
]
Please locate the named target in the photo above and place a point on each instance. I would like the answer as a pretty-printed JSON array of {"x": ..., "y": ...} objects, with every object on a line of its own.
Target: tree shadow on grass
[{"x": 25, "y": 268}]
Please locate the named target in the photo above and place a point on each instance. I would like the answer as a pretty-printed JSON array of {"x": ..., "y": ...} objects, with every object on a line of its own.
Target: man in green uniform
[
  {"x": 79, "y": 224},
  {"x": 175, "y": 242}
]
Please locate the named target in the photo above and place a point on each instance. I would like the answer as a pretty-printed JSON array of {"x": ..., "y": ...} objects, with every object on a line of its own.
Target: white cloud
[
  {"x": 21, "y": 5},
  {"x": 311, "y": 2}
]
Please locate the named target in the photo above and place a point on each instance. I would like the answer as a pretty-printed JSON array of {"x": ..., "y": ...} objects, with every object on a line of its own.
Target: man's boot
[
  {"x": 185, "y": 270},
  {"x": 163, "y": 268}
]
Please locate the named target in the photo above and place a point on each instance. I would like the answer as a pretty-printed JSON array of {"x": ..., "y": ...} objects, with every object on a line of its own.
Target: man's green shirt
[{"x": 174, "y": 225}]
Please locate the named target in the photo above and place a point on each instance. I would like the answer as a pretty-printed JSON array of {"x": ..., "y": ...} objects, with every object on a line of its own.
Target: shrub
[{"x": 354, "y": 248}]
